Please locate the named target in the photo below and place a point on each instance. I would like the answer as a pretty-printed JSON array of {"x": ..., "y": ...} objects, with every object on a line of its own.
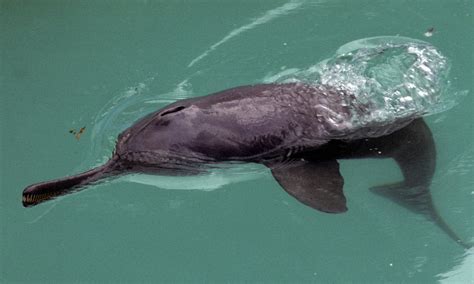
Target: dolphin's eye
[{"x": 176, "y": 109}]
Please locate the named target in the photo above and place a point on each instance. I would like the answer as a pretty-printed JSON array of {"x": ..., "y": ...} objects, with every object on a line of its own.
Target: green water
[{"x": 63, "y": 62}]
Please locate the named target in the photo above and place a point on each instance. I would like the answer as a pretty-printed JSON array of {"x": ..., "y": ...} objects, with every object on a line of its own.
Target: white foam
[{"x": 393, "y": 78}]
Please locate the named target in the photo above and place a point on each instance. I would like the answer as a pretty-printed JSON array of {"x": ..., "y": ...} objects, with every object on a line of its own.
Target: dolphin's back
[{"x": 249, "y": 122}]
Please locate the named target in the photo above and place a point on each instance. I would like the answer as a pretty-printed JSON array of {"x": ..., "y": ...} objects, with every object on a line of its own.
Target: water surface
[{"x": 69, "y": 64}]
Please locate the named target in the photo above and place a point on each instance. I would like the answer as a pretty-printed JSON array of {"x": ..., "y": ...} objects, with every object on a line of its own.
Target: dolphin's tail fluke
[
  {"x": 438, "y": 220},
  {"x": 40, "y": 192},
  {"x": 418, "y": 200}
]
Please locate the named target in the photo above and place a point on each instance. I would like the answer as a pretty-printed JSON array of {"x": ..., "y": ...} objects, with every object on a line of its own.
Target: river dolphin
[{"x": 297, "y": 130}]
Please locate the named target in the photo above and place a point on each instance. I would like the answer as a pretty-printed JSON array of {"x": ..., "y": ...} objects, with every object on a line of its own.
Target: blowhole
[{"x": 173, "y": 110}]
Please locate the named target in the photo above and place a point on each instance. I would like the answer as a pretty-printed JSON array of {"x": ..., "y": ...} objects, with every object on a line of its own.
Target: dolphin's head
[{"x": 155, "y": 142}]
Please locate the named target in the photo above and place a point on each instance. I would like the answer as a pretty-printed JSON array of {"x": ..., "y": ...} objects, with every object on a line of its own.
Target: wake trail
[{"x": 264, "y": 18}]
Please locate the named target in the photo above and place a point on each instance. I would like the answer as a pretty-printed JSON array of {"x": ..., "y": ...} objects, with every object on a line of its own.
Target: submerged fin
[
  {"x": 418, "y": 200},
  {"x": 316, "y": 184},
  {"x": 43, "y": 191}
]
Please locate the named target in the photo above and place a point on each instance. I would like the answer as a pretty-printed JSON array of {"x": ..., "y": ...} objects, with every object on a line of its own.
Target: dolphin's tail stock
[{"x": 40, "y": 192}]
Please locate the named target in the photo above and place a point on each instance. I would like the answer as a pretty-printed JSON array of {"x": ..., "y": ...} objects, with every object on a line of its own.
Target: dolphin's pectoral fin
[{"x": 316, "y": 184}]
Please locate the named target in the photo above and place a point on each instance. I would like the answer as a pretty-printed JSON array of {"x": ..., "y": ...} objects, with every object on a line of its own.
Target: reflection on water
[
  {"x": 212, "y": 180},
  {"x": 462, "y": 272}
]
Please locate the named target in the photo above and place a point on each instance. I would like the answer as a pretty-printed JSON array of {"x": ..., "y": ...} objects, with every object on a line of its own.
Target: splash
[{"x": 396, "y": 78}]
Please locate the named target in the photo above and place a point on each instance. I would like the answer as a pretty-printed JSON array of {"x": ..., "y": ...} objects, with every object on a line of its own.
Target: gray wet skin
[
  {"x": 242, "y": 124},
  {"x": 299, "y": 131}
]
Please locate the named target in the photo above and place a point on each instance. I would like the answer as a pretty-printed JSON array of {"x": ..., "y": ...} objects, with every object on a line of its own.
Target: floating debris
[
  {"x": 429, "y": 32},
  {"x": 77, "y": 134}
]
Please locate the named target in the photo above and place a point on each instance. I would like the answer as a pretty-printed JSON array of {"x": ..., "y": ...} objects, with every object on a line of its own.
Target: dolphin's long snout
[{"x": 40, "y": 192}]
